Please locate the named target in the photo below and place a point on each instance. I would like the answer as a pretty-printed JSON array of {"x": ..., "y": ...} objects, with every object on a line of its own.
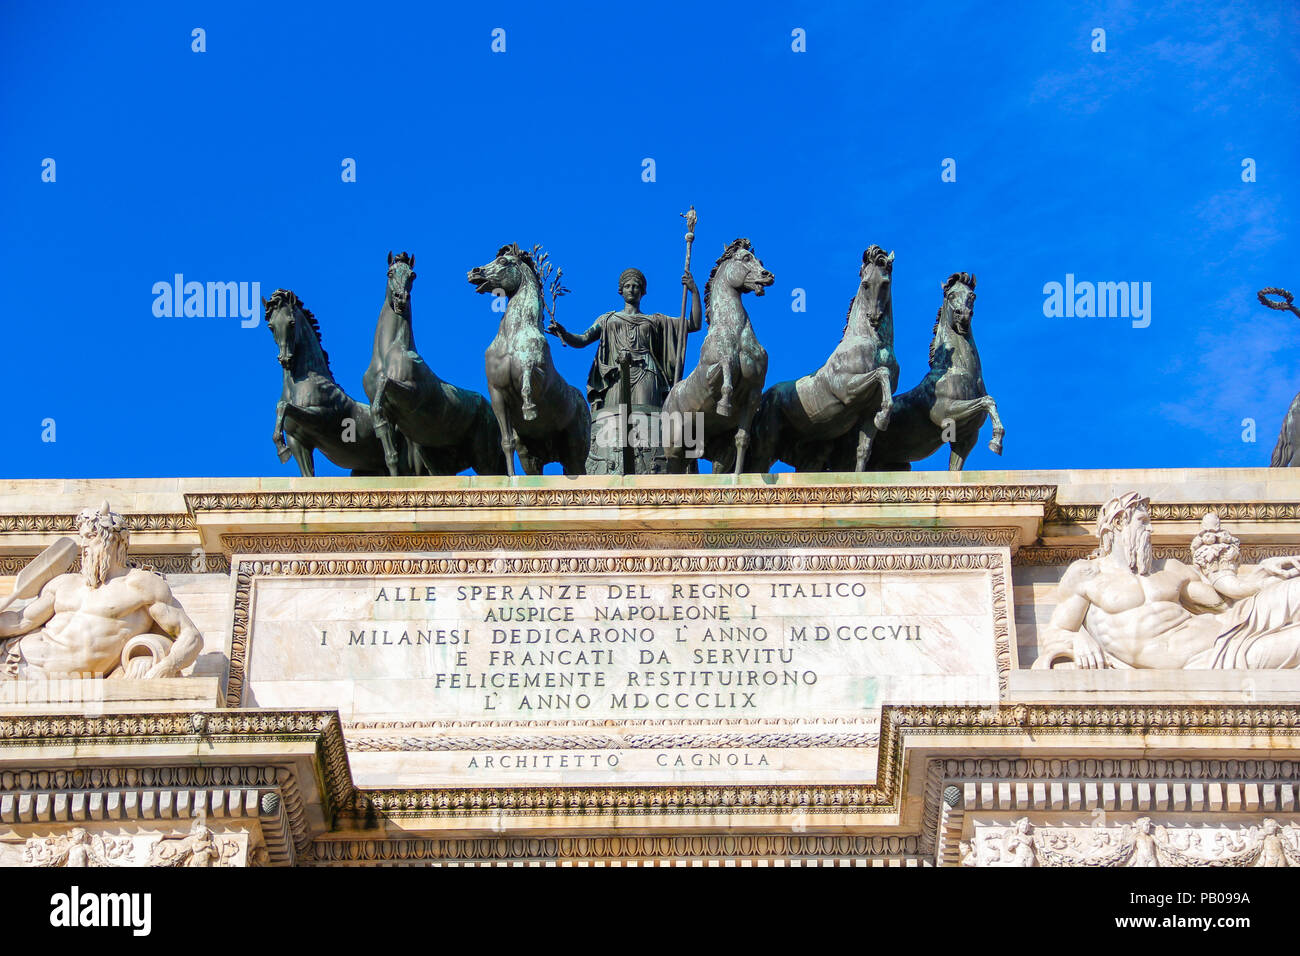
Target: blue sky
[{"x": 1123, "y": 165}]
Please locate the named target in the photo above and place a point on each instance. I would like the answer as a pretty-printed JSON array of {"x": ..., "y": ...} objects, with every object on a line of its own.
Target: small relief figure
[
  {"x": 77, "y": 848},
  {"x": 1272, "y": 851},
  {"x": 200, "y": 848},
  {"x": 1018, "y": 844},
  {"x": 1144, "y": 844},
  {"x": 108, "y": 619}
]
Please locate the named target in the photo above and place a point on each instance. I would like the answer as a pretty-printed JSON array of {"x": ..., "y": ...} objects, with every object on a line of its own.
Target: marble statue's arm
[
  {"x": 1197, "y": 595},
  {"x": 29, "y": 618},
  {"x": 1235, "y": 586},
  {"x": 1065, "y": 629},
  {"x": 1282, "y": 566},
  {"x": 186, "y": 639}
]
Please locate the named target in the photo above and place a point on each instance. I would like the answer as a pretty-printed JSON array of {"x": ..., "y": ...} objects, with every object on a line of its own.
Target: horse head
[
  {"x": 401, "y": 276},
  {"x": 959, "y": 302},
  {"x": 282, "y": 320},
  {"x": 874, "y": 280},
  {"x": 957, "y": 310},
  {"x": 740, "y": 269},
  {"x": 284, "y": 310},
  {"x": 505, "y": 274}
]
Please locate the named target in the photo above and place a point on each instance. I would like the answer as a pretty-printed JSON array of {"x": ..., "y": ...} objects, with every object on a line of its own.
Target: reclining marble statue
[
  {"x": 1120, "y": 607},
  {"x": 105, "y": 620}
]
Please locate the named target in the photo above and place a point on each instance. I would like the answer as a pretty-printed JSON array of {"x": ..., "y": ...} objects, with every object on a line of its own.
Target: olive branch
[{"x": 556, "y": 288}]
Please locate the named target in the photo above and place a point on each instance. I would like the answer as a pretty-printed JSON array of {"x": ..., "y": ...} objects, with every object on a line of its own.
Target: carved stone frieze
[
  {"x": 1037, "y": 556},
  {"x": 185, "y": 563},
  {"x": 78, "y": 848},
  {"x": 1141, "y": 843},
  {"x": 67, "y": 523},
  {"x": 687, "y": 539},
  {"x": 805, "y": 849},
  {"x": 199, "y": 848},
  {"x": 1086, "y": 514},
  {"x": 628, "y": 496}
]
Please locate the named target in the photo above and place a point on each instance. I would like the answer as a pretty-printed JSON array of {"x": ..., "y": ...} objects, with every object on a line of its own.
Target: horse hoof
[
  {"x": 995, "y": 446},
  {"x": 882, "y": 421},
  {"x": 530, "y": 412},
  {"x": 724, "y": 409}
]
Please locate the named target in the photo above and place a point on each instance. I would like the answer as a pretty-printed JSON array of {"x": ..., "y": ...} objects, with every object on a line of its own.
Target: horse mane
[
  {"x": 727, "y": 253},
  {"x": 965, "y": 278},
  {"x": 282, "y": 296}
]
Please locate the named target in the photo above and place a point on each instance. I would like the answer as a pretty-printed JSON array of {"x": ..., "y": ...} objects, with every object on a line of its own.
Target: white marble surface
[{"x": 869, "y": 638}]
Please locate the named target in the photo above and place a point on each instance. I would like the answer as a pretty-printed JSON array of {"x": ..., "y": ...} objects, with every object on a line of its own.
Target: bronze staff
[{"x": 690, "y": 218}]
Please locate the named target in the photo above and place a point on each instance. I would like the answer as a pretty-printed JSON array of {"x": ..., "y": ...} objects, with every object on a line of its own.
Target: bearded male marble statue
[
  {"x": 105, "y": 620},
  {"x": 1121, "y": 608}
]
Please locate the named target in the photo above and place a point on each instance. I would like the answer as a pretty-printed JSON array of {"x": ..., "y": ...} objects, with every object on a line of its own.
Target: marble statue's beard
[
  {"x": 1136, "y": 543},
  {"x": 97, "y": 559}
]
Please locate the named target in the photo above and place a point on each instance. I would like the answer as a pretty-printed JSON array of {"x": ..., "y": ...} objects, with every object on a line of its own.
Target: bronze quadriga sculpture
[
  {"x": 950, "y": 403},
  {"x": 800, "y": 421},
  {"x": 727, "y": 384},
  {"x": 452, "y": 428},
  {"x": 539, "y": 414},
  {"x": 314, "y": 412}
]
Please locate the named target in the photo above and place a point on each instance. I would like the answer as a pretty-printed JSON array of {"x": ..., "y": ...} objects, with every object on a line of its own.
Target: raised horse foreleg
[
  {"x": 724, "y": 396},
  {"x": 861, "y": 385},
  {"x": 384, "y": 428},
  {"x": 951, "y": 417},
  {"x": 298, "y": 426},
  {"x": 277, "y": 434}
]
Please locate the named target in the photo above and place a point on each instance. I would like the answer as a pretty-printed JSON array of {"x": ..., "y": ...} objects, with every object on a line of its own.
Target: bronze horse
[
  {"x": 314, "y": 411},
  {"x": 799, "y": 422},
  {"x": 951, "y": 403},
  {"x": 539, "y": 414},
  {"x": 452, "y": 428},
  {"x": 727, "y": 384},
  {"x": 1286, "y": 453}
]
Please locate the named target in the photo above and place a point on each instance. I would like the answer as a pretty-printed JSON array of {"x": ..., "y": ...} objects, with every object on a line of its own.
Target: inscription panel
[{"x": 520, "y": 644}]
